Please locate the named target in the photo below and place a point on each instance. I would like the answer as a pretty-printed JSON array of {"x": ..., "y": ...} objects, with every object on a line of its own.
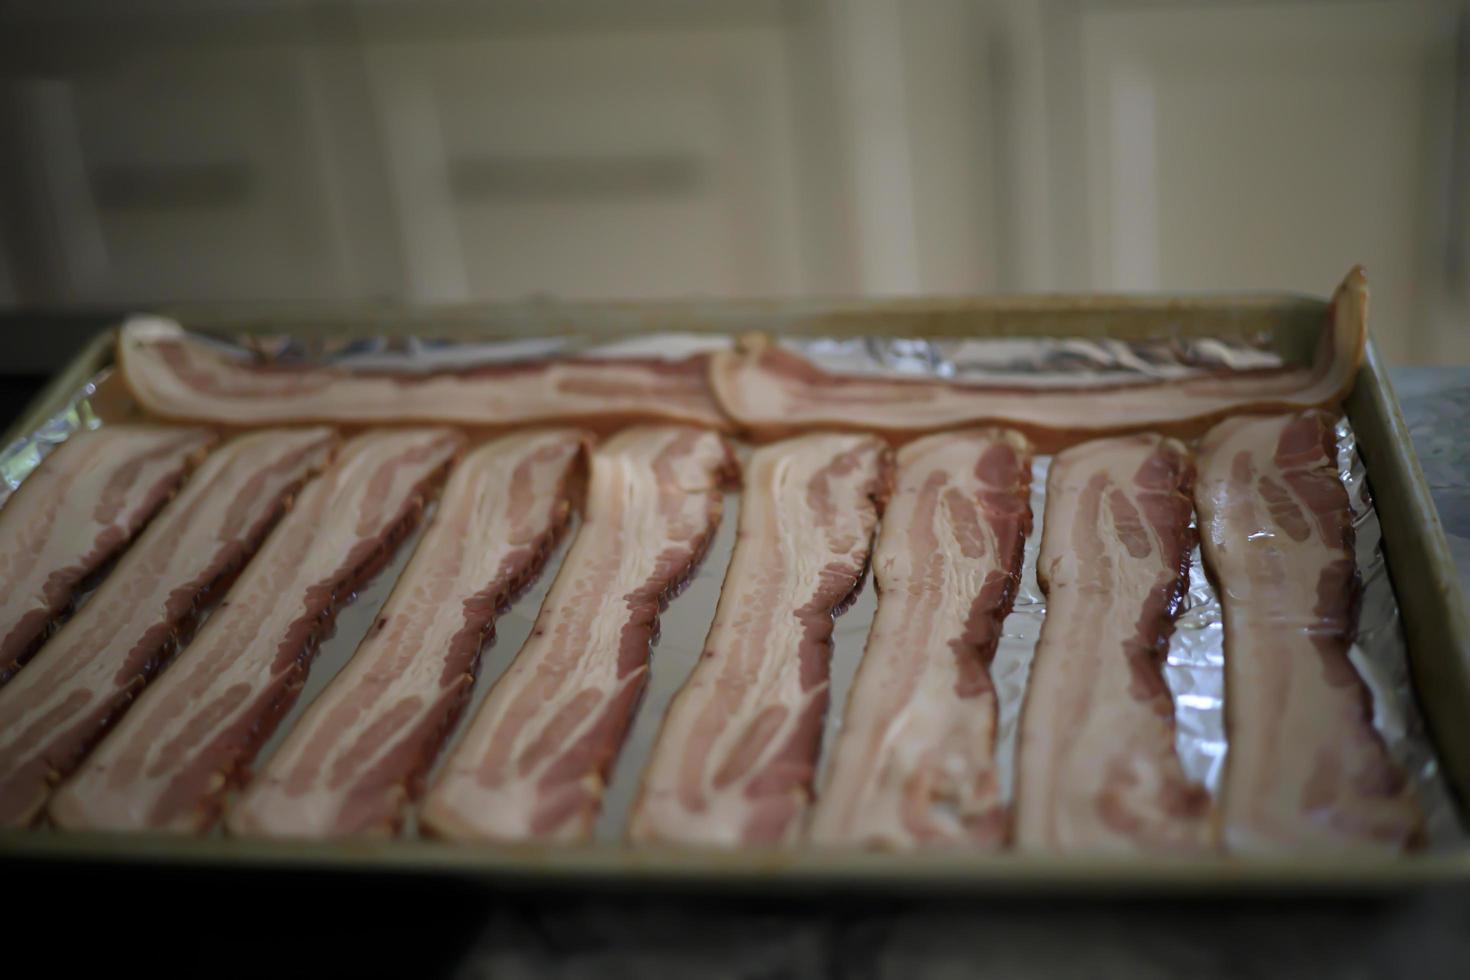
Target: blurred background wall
[{"x": 437, "y": 151}]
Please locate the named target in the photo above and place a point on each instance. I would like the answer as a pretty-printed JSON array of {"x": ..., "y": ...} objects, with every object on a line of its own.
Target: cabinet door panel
[
  {"x": 1268, "y": 146},
  {"x": 174, "y": 175},
  {"x": 622, "y": 165}
]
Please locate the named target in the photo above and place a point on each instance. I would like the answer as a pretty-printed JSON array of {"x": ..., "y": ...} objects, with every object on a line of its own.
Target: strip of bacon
[
  {"x": 177, "y": 376},
  {"x": 79, "y": 509},
  {"x": 359, "y": 753},
  {"x": 89, "y": 673},
  {"x": 734, "y": 760},
  {"x": 535, "y": 760},
  {"x": 771, "y": 392},
  {"x": 914, "y": 764},
  {"x": 1306, "y": 767},
  {"x": 1096, "y": 767},
  {"x": 168, "y": 763}
]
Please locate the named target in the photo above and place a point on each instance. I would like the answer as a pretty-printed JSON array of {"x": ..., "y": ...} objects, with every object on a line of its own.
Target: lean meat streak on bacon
[
  {"x": 87, "y": 675},
  {"x": 74, "y": 513},
  {"x": 535, "y": 760},
  {"x": 168, "y": 763},
  {"x": 1096, "y": 766},
  {"x": 358, "y": 755},
  {"x": 914, "y": 764},
  {"x": 734, "y": 760},
  {"x": 771, "y": 392},
  {"x": 1306, "y": 767},
  {"x": 178, "y": 376}
]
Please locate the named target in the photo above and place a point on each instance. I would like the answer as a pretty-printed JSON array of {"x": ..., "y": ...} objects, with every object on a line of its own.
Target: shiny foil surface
[
  {"x": 1195, "y": 664},
  {"x": 25, "y": 454}
]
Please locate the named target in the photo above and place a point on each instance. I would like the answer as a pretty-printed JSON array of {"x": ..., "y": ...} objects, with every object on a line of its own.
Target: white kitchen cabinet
[
  {"x": 165, "y": 173},
  {"x": 1270, "y": 146},
  {"x": 654, "y": 163},
  {"x": 441, "y": 151}
]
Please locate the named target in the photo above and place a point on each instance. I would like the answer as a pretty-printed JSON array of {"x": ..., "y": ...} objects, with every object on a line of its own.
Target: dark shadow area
[
  {"x": 16, "y": 392},
  {"x": 193, "y": 922},
  {"x": 42, "y": 342},
  {"x": 174, "y": 922}
]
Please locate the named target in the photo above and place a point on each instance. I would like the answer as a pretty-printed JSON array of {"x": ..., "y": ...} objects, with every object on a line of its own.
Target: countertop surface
[
  {"x": 333, "y": 926},
  {"x": 1436, "y": 404}
]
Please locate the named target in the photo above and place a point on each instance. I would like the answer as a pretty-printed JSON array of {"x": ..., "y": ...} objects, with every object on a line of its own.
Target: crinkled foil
[
  {"x": 1194, "y": 667},
  {"x": 1381, "y": 654},
  {"x": 25, "y": 454},
  {"x": 1032, "y": 361}
]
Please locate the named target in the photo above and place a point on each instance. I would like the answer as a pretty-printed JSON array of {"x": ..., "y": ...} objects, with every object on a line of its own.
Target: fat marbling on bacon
[
  {"x": 771, "y": 392},
  {"x": 914, "y": 763},
  {"x": 168, "y": 763},
  {"x": 87, "y": 675},
  {"x": 178, "y": 376},
  {"x": 1306, "y": 768},
  {"x": 75, "y": 512},
  {"x": 734, "y": 761},
  {"x": 359, "y": 753},
  {"x": 536, "y": 757},
  {"x": 1096, "y": 766}
]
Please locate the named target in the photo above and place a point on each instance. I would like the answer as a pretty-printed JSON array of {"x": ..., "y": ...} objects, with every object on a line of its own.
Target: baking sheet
[{"x": 1194, "y": 667}]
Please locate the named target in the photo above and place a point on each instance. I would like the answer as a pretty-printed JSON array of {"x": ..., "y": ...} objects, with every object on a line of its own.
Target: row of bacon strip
[
  {"x": 758, "y": 390},
  {"x": 95, "y": 733}
]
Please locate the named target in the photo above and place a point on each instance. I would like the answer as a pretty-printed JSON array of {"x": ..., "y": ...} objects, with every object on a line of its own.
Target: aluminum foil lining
[
  {"x": 1194, "y": 667},
  {"x": 1019, "y": 361},
  {"x": 25, "y": 454}
]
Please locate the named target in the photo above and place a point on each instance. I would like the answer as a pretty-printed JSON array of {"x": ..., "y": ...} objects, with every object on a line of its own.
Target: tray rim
[
  {"x": 1435, "y": 616},
  {"x": 809, "y": 870}
]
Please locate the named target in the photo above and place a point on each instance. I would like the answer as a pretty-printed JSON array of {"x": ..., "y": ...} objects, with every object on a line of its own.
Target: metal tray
[{"x": 1434, "y": 611}]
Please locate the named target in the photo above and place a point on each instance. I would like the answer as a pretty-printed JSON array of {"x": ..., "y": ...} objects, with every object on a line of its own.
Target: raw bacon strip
[
  {"x": 177, "y": 376},
  {"x": 535, "y": 759},
  {"x": 1306, "y": 767},
  {"x": 359, "y": 753},
  {"x": 80, "y": 507},
  {"x": 734, "y": 761},
  {"x": 1096, "y": 768},
  {"x": 87, "y": 676},
  {"x": 771, "y": 392},
  {"x": 914, "y": 764},
  {"x": 191, "y": 735}
]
